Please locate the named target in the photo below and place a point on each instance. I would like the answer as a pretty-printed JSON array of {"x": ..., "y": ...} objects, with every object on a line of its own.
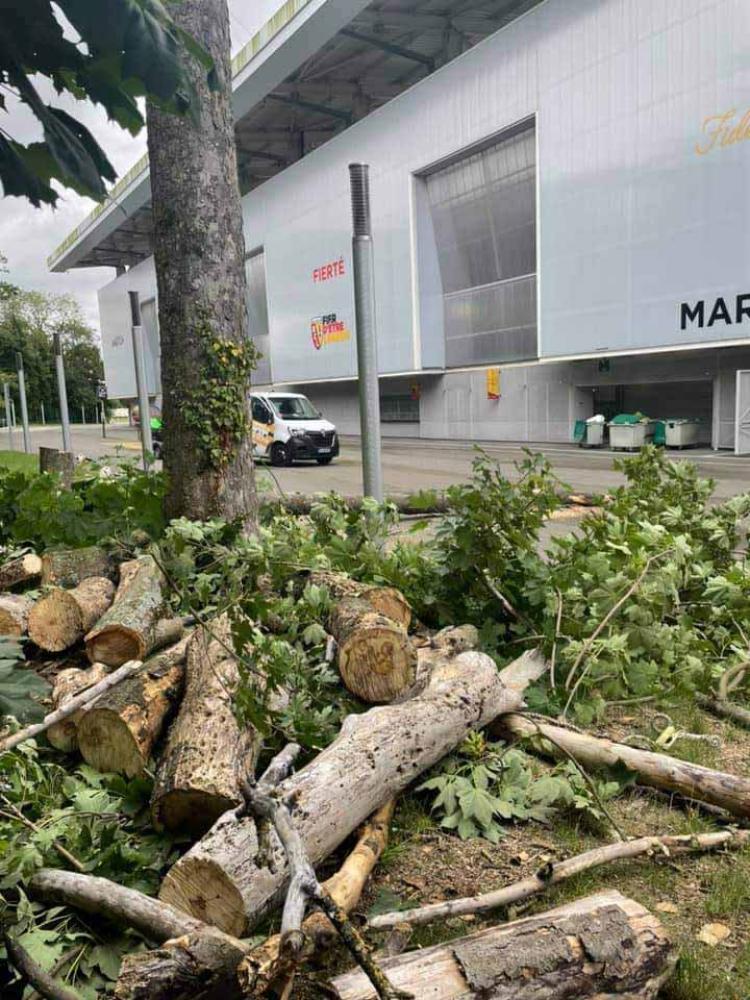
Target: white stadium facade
[{"x": 560, "y": 208}]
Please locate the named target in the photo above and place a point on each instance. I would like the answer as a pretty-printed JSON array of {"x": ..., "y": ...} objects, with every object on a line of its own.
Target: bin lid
[{"x": 629, "y": 419}]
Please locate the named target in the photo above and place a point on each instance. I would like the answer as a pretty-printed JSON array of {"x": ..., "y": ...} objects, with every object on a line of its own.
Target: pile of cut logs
[{"x": 160, "y": 688}]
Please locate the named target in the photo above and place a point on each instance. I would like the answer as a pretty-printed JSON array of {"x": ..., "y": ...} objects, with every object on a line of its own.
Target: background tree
[
  {"x": 199, "y": 251},
  {"x": 116, "y": 51},
  {"x": 28, "y": 321}
]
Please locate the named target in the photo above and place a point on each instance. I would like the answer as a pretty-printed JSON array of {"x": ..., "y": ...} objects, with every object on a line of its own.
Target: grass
[{"x": 19, "y": 461}]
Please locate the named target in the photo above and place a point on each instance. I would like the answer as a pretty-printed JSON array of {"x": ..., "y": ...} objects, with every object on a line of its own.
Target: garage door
[{"x": 742, "y": 414}]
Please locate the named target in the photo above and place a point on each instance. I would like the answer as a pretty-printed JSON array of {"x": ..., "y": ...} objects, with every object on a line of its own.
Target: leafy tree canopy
[{"x": 116, "y": 51}]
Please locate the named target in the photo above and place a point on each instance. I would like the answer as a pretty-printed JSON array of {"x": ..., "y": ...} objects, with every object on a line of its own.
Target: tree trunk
[
  {"x": 727, "y": 791},
  {"x": 376, "y": 755},
  {"x": 61, "y": 463},
  {"x": 197, "y": 777},
  {"x": 62, "y": 617},
  {"x": 64, "y": 735},
  {"x": 199, "y": 251},
  {"x": 68, "y": 567},
  {"x": 119, "y": 732},
  {"x": 603, "y": 946},
  {"x": 14, "y": 614},
  {"x": 18, "y": 572},
  {"x": 134, "y": 625}
]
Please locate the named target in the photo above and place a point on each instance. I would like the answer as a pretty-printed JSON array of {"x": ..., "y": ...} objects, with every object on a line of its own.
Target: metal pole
[
  {"x": 62, "y": 394},
  {"x": 83, "y": 414},
  {"x": 364, "y": 312},
  {"x": 104, "y": 420},
  {"x": 24, "y": 407},
  {"x": 140, "y": 378},
  {"x": 44, "y": 419},
  {"x": 8, "y": 424}
]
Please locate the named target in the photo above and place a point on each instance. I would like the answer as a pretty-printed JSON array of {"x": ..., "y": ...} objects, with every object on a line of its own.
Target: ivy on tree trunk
[{"x": 199, "y": 251}]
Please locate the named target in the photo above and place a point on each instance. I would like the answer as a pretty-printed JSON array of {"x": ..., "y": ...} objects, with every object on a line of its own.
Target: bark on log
[
  {"x": 20, "y": 571},
  {"x": 728, "y": 791},
  {"x": 14, "y": 614},
  {"x": 61, "y": 618},
  {"x": 603, "y": 946},
  {"x": 68, "y": 567},
  {"x": 376, "y": 755},
  {"x": 63, "y": 735},
  {"x": 119, "y": 732},
  {"x": 135, "y": 624},
  {"x": 376, "y": 658},
  {"x": 197, "y": 777},
  {"x": 61, "y": 463}
]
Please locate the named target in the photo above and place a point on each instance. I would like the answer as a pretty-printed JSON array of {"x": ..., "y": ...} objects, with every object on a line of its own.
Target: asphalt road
[{"x": 411, "y": 464}]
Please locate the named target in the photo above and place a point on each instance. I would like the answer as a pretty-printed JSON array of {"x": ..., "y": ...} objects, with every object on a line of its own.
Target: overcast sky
[{"x": 28, "y": 235}]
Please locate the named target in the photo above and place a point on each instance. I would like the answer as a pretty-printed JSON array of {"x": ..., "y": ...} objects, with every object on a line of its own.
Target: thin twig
[
  {"x": 16, "y": 814},
  {"x": 732, "y": 678},
  {"x": 558, "y": 623},
  {"x": 586, "y": 777},
  {"x": 72, "y": 953},
  {"x": 507, "y": 606}
]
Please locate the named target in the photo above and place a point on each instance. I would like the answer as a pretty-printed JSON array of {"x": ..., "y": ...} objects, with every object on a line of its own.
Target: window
[
  {"x": 399, "y": 409},
  {"x": 483, "y": 211},
  {"x": 257, "y": 314},
  {"x": 294, "y": 407},
  {"x": 261, "y": 414}
]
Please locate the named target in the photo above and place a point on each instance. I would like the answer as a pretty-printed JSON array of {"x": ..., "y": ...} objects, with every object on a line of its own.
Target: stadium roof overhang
[{"x": 313, "y": 70}]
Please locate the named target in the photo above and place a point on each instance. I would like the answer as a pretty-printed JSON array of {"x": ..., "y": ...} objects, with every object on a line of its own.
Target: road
[{"x": 411, "y": 464}]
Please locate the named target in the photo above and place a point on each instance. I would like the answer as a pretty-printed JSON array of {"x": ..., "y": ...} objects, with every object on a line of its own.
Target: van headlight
[{"x": 297, "y": 431}]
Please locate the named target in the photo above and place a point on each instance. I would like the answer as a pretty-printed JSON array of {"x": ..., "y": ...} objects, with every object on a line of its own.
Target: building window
[
  {"x": 483, "y": 211},
  {"x": 257, "y": 314},
  {"x": 399, "y": 409}
]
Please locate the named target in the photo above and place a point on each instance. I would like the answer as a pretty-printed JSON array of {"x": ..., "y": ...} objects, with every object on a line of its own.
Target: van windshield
[{"x": 294, "y": 408}]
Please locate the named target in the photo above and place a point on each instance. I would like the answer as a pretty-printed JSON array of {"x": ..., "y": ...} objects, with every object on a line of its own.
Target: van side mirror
[{"x": 320, "y": 413}]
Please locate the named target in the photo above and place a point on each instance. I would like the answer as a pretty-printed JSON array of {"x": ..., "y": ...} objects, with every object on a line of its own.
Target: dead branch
[
  {"x": 551, "y": 874},
  {"x": 725, "y": 709},
  {"x": 82, "y": 700},
  {"x": 34, "y": 974}
]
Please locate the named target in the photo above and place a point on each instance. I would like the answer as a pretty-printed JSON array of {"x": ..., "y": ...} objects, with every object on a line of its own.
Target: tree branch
[{"x": 34, "y": 974}]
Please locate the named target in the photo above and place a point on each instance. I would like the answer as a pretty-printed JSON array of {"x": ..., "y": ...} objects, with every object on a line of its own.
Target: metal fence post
[
  {"x": 62, "y": 393},
  {"x": 24, "y": 407},
  {"x": 44, "y": 419},
  {"x": 140, "y": 379},
  {"x": 364, "y": 311},
  {"x": 8, "y": 422}
]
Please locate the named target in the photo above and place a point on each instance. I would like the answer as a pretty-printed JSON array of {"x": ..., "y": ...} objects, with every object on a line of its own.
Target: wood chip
[{"x": 713, "y": 934}]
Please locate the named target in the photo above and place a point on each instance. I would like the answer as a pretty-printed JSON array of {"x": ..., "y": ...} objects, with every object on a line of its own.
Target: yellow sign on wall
[{"x": 493, "y": 383}]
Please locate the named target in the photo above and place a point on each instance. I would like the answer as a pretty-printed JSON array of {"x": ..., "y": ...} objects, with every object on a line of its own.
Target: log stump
[
  {"x": 62, "y": 617},
  {"x": 14, "y": 614},
  {"x": 21, "y": 571},
  {"x": 197, "y": 777},
  {"x": 64, "y": 735},
  {"x": 61, "y": 463},
  {"x": 119, "y": 732},
  {"x": 134, "y": 625}
]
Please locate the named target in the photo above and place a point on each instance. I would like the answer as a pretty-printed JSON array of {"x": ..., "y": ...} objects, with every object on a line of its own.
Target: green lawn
[{"x": 19, "y": 461}]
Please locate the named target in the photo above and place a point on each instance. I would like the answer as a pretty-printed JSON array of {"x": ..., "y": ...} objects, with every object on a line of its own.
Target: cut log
[
  {"x": 376, "y": 658},
  {"x": 135, "y": 624},
  {"x": 724, "y": 709},
  {"x": 728, "y": 791},
  {"x": 61, "y": 618},
  {"x": 185, "y": 968},
  {"x": 387, "y": 600},
  {"x": 61, "y": 463},
  {"x": 197, "y": 777},
  {"x": 119, "y": 732},
  {"x": 68, "y": 567},
  {"x": 63, "y": 735},
  {"x": 376, "y": 755},
  {"x": 603, "y": 946},
  {"x": 14, "y": 614},
  {"x": 21, "y": 571}
]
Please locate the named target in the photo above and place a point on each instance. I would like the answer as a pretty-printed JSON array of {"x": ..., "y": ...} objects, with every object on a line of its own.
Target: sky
[{"x": 28, "y": 235}]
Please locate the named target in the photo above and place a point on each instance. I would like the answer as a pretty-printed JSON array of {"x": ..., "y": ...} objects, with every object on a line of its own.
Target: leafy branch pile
[{"x": 646, "y": 600}]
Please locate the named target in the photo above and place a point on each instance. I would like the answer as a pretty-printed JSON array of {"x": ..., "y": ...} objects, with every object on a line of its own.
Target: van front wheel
[{"x": 280, "y": 454}]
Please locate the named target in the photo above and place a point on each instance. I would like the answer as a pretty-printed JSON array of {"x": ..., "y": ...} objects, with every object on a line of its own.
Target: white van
[{"x": 286, "y": 426}]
